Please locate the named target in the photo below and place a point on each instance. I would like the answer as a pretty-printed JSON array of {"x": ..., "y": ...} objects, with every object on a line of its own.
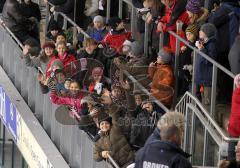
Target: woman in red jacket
[
  {"x": 234, "y": 120},
  {"x": 174, "y": 11},
  {"x": 62, "y": 55}
]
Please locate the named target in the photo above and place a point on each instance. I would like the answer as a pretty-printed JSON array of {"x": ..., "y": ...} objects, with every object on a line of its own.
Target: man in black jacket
[{"x": 165, "y": 152}]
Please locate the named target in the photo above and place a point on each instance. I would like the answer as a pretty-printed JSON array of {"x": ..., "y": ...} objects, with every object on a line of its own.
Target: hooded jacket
[{"x": 162, "y": 153}]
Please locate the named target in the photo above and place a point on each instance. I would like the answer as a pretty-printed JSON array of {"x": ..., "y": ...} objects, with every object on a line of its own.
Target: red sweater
[{"x": 234, "y": 120}]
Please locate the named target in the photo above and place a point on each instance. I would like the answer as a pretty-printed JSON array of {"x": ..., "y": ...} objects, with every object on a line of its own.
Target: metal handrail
[
  {"x": 202, "y": 54},
  {"x": 11, "y": 33},
  {"x": 219, "y": 130},
  {"x": 65, "y": 17}
]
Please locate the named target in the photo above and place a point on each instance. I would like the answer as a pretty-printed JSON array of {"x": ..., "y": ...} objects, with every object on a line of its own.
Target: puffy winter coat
[
  {"x": 31, "y": 10},
  {"x": 114, "y": 141},
  {"x": 162, "y": 83},
  {"x": 234, "y": 120}
]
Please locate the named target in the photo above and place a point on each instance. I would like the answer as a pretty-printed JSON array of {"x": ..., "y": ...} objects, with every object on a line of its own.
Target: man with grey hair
[{"x": 165, "y": 151}]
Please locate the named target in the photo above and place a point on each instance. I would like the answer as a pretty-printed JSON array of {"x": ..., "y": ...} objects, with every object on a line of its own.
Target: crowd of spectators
[{"x": 89, "y": 78}]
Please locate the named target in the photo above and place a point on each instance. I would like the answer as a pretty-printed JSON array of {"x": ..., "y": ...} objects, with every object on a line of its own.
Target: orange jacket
[{"x": 162, "y": 83}]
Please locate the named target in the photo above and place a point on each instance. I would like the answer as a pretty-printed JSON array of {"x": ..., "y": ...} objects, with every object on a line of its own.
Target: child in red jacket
[
  {"x": 117, "y": 35},
  {"x": 234, "y": 120}
]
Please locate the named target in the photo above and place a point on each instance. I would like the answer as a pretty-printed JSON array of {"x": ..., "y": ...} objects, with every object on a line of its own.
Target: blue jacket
[
  {"x": 203, "y": 73},
  {"x": 161, "y": 154},
  {"x": 153, "y": 137},
  {"x": 226, "y": 20}
]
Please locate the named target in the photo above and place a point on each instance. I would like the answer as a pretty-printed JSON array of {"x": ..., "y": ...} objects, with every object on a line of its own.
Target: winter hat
[
  {"x": 136, "y": 48},
  {"x": 209, "y": 29},
  {"x": 104, "y": 117},
  {"x": 31, "y": 42},
  {"x": 192, "y": 29},
  {"x": 49, "y": 44},
  {"x": 193, "y": 6},
  {"x": 113, "y": 22},
  {"x": 98, "y": 18},
  {"x": 165, "y": 55},
  {"x": 97, "y": 71},
  {"x": 88, "y": 99},
  {"x": 53, "y": 26},
  {"x": 58, "y": 63}
]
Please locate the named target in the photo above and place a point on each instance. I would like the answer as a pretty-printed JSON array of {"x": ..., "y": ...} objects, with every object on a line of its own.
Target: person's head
[
  {"x": 48, "y": 48},
  {"x": 193, "y": 8},
  {"x": 60, "y": 75},
  {"x": 136, "y": 49},
  {"x": 61, "y": 48},
  {"x": 116, "y": 23},
  {"x": 171, "y": 125},
  {"x": 138, "y": 99},
  {"x": 57, "y": 64},
  {"x": 67, "y": 83},
  {"x": 61, "y": 37},
  {"x": 30, "y": 43},
  {"x": 97, "y": 73},
  {"x": 53, "y": 28},
  {"x": 116, "y": 91},
  {"x": 192, "y": 32},
  {"x": 207, "y": 31},
  {"x": 148, "y": 3},
  {"x": 164, "y": 56},
  {"x": 105, "y": 123},
  {"x": 74, "y": 87},
  {"x": 89, "y": 101},
  {"x": 90, "y": 45},
  {"x": 98, "y": 22},
  {"x": 148, "y": 106}
]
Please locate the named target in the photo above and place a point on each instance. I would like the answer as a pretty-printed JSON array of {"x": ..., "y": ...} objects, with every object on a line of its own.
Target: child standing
[{"x": 204, "y": 69}]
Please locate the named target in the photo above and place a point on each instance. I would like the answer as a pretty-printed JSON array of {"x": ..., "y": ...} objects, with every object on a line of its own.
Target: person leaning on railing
[{"x": 234, "y": 120}]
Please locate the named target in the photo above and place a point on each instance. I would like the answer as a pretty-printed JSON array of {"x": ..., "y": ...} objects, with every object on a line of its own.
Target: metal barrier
[{"x": 193, "y": 110}]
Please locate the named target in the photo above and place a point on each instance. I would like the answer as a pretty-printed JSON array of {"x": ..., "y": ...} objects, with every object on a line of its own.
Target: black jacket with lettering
[{"x": 162, "y": 153}]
